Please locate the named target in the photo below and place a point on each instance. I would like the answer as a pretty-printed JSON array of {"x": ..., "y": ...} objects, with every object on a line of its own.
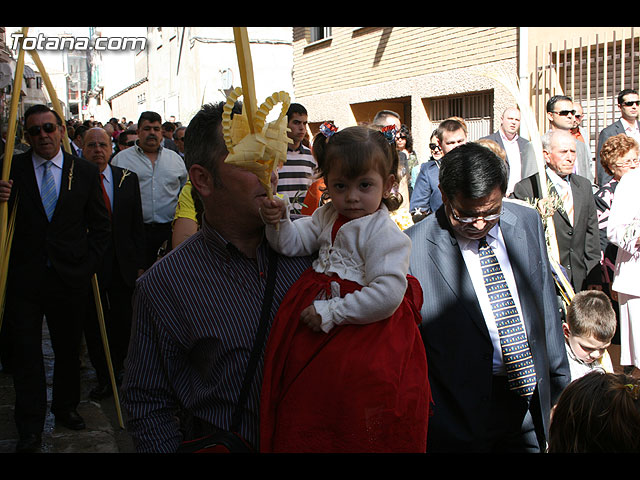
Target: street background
[{"x": 103, "y": 433}]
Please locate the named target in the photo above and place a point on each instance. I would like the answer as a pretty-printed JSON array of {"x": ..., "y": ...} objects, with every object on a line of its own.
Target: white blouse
[
  {"x": 623, "y": 230},
  {"x": 371, "y": 251}
]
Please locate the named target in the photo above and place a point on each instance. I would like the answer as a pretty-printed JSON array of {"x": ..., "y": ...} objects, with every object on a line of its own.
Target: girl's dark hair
[
  {"x": 597, "y": 413},
  {"x": 356, "y": 150}
]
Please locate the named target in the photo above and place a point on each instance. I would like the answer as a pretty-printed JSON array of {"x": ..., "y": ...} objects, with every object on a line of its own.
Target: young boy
[{"x": 588, "y": 330}]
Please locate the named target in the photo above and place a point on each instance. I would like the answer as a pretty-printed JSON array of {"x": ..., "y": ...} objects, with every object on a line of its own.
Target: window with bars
[{"x": 475, "y": 108}]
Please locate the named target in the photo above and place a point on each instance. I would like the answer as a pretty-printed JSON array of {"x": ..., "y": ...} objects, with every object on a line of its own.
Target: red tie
[{"x": 104, "y": 194}]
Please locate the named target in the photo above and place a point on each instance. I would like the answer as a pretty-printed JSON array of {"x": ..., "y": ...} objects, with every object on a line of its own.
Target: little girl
[
  {"x": 359, "y": 170},
  {"x": 361, "y": 384}
]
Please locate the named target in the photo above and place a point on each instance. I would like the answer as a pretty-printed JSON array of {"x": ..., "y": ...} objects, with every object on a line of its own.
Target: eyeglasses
[
  {"x": 628, "y": 163},
  {"x": 631, "y": 103},
  {"x": 434, "y": 146},
  {"x": 486, "y": 218},
  {"x": 47, "y": 127},
  {"x": 564, "y": 113},
  {"x": 578, "y": 116}
]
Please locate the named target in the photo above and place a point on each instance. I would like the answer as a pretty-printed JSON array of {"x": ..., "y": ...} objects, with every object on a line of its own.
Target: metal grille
[
  {"x": 591, "y": 72},
  {"x": 475, "y": 108}
]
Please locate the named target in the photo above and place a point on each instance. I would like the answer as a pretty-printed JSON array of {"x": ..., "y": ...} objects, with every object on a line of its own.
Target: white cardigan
[
  {"x": 623, "y": 230},
  {"x": 370, "y": 250}
]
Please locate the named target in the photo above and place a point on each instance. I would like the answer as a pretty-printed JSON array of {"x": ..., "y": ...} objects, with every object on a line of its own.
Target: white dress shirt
[
  {"x": 469, "y": 250},
  {"x": 512, "y": 149}
]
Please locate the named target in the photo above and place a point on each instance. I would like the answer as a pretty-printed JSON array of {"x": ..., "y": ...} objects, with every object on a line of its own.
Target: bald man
[
  {"x": 520, "y": 155},
  {"x": 121, "y": 264}
]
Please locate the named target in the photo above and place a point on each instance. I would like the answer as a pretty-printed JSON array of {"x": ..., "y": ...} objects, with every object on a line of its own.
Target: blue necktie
[
  {"x": 518, "y": 362},
  {"x": 48, "y": 190}
]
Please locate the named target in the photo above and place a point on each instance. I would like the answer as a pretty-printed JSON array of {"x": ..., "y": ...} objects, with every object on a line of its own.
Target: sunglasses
[
  {"x": 47, "y": 127},
  {"x": 564, "y": 113},
  {"x": 434, "y": 146},
  {"x": 631, "y": 103}
]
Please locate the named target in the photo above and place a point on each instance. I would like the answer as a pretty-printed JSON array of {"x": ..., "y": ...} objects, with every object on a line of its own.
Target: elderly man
[
  {"x": 62, "y": 231},
  {"x": 120, "y": 265},
  {"x": 162, "y": 174},
  {"x": 482, "y": 261},
  {"x": 520, "y": 155},
  {"x": 197, "y": 311},
  {"x": 576, "y": 222}
]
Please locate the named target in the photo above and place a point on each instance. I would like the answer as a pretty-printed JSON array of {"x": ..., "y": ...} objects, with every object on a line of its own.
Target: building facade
[{"x": 426, "y": 74}]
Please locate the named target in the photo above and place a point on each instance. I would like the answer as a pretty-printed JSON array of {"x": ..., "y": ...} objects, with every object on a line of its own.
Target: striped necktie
[
  {"x": 518, "y": 362},
  {"x": 48, "y": 190}
]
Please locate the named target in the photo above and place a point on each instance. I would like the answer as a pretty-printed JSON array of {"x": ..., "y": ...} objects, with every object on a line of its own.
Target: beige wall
[
  {"x": 355, "y": 57},
  {"x": 359, "y": 71}
]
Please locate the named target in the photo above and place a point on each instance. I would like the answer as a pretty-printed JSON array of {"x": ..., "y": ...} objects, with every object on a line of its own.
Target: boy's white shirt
[{"x": 371, "y": 251}]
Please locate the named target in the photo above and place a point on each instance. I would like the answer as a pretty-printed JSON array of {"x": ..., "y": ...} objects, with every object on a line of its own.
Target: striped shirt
[
  {"x": 296, "y": 175},
  {"x": 196, "y": 314}
]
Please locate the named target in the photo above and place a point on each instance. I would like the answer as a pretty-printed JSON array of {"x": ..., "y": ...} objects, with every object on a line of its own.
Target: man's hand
[{"x": 5, "y": 190}]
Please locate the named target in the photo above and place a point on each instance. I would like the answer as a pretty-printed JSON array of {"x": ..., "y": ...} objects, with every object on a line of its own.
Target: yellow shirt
[{"x": 186, "y": 208}]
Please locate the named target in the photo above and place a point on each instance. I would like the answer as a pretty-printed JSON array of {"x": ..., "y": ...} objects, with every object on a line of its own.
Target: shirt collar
[
  {"x": 142, "y": 152},
  {"x": 557, "y": 179},
  {"x": 505, "y": 139},
  {"x": 301, "y": 148},
  {"x": 108, "y": 174},
  {"x": 38, "y": 161},
  {"x": 466, "y": 243},
  {"x": 220, "y": 245},
  {"x": 629, "y": 126}
]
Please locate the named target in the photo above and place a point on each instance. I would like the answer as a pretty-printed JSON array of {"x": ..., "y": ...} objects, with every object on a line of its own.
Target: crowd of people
[{"x": 378, "y": 302}]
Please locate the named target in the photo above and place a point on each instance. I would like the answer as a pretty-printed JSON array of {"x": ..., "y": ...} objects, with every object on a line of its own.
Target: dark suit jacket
[
  {"x": 614, "y": 129},
  {"x": 79, "y": 231},
  {"x": 126, "y": 249},
  {"x": 426, "y": 193},
  {"x": 579, "y": 245},
  {"x": 458, "y": 346},
  {"x": 527, "y": 155}
]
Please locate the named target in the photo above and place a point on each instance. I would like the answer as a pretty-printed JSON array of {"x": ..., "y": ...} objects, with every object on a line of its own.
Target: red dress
[{"x": 358, "y": 388}]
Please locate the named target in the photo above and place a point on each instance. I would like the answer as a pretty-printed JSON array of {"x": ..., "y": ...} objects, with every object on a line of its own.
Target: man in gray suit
[
  {"x": 629, "y": 105},
  {"x": 520, "y": 155},
  {"x": 477, "y": 408}
]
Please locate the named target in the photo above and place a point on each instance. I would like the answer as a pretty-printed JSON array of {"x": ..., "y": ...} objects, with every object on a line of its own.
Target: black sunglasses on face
[
  {"x": 47, "y": 127},
  {"x": 631, "y": 103},
  {"x": 564, "y": 113},
  {"x": 434, "y": 146}
]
